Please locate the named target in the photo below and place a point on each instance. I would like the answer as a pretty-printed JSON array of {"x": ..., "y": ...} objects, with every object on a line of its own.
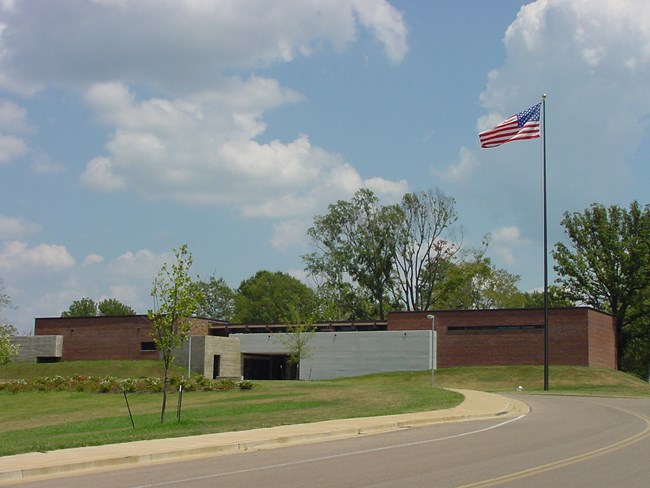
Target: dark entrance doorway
[
  {"x": 265, "y": 367},
  {"x": 216, "y": 367}
]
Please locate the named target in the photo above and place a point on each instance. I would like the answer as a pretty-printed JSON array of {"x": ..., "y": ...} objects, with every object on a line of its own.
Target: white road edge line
[{"x": 325, "y": 458}]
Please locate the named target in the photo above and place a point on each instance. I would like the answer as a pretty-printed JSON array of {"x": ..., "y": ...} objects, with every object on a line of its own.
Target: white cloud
[
  {"x": 92, "y": 259},
  {"x": 201, "y": 149},
  {"x": 12, "y": 227},
  {"x": 99, "y": 175},
  {"x": 16, "y": 254},
  {"x": 13, "y": 118},
  {"x": 130, "y": 295},
  {"x": 460, "y": 171},
  {"x": 11, "y": 147},
  {"x": 289, "y": 233},
  {"x": 504, "y": 243},
  {"x": 177, "y": 43},
  {"x": 42, "y": 164},
  {"x": 391, "y": 191},
  {"x": 142, "y": 263},
  {"x": 387, "y": 24}
]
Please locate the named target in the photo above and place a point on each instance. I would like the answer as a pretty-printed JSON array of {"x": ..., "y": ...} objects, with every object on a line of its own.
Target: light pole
[{"x": 434, "y": 351}]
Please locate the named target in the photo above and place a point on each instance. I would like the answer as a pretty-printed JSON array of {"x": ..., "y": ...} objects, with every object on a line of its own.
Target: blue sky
[{"x": 128, "y": 128}]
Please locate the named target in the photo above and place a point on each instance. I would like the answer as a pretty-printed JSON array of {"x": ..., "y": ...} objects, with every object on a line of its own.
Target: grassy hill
[{"x": 562, "y": 379}]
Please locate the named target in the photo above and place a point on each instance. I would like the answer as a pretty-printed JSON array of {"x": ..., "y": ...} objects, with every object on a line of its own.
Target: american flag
[{"x": 524, "y": 125}]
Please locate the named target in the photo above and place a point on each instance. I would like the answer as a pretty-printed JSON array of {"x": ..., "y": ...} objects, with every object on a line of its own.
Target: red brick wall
[
  {"x": 567, "y": 336},
  {"x": 99, "y": 337},
  {"x": 86, "y": 338},
  {"x": 577, "y": 336},
  {"x": 602, "y": 334}
]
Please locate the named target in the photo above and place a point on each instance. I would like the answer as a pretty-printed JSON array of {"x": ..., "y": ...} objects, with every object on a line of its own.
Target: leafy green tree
[
  {"x": 355, "y": 243},
  {"x": 267, "y": 297},
  {"x": 606, "y": 263},
  {"x": 7, "y": 349},
  {"x": 557, "y": 298},
  {"x": 110, "y": 307},
  {"x": 426, "y": 243},
  {"x": 86, "y": 307},
  {"x": 218, "y": 301},
  {"x": 342, "y": 301},
  {"x": 175, "y": 299},
  {"x": 5, "y": 300},
  {"x": 636, "y": 356},
  {"x": 477, "y": 284},
  {"x": 296, "y": 338}
]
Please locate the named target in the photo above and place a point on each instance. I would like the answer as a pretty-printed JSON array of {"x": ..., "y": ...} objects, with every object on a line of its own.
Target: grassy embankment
[{"x": 41, "y": 421}]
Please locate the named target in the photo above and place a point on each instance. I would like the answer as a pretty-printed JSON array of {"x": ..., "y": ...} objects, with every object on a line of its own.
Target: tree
[
  {"x": 267, "y": 297},
  {"x": 477, "y": 284},
  {"x": 175, "y": 299},
  {"x": 218, "y": 300},
  {"x": 636, "y": 357},
  {"x": 606, "y": 263},
  {"x": 342, "y": 301},
  {"x": 7, "y": 349},
  {"x": 87, "y": 307},
  {"x": 5, "y": 300},
  {"x": 425, "y": 246},
  {"x": 110, "y": 307},
  {"x": 355, "y": 242},
  {"x": 7, "y": 330},
  {"x": 298, "y": 333},
  {"x": 557, "y": 298}
]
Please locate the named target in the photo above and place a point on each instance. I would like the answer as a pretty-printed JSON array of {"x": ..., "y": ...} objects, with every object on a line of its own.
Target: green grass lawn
[{"x": 41, "y": 421}]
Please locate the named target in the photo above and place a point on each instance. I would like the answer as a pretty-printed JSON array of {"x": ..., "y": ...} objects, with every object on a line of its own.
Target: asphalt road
[{"x": 564, "y": 441}]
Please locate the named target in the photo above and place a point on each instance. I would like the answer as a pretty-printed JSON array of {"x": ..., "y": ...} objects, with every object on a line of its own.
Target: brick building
[
  {"x": 577, "y": 336},
  {"x": 127, "y": 337}
]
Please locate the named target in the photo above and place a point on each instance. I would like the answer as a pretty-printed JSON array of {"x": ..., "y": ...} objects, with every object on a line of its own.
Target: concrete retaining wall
[
  {"x": 340, "y": 354},
  {"x": 32, "y": 347}
]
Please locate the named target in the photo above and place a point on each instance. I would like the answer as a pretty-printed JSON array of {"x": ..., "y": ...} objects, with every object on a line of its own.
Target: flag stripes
[{"x": 524, "y": 125}]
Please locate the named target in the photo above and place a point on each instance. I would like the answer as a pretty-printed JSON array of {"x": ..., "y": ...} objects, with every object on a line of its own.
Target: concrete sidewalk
[{"x": 32, "y": 466}]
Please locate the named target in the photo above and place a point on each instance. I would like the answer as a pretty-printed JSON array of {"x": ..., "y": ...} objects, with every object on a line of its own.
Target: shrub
[
  {"x": 128, "y": 385},
  {"x": 246, "y": 385},
  {"x": 226, "y": 384},
  {"x": 110, "y": 384},
  {"x": 202, "y": 383},
  {"x": 153, "y": 385}
]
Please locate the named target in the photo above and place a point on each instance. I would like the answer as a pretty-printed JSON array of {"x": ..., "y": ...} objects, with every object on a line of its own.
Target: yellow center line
[{"x": 570, "y": 460}]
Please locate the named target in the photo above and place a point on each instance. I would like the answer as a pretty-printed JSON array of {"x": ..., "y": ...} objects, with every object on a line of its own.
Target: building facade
[{"x": 577, "y": 336}]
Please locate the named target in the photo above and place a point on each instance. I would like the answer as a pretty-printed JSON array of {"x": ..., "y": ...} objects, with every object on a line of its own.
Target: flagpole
[{"x": 545, "y": 243}]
